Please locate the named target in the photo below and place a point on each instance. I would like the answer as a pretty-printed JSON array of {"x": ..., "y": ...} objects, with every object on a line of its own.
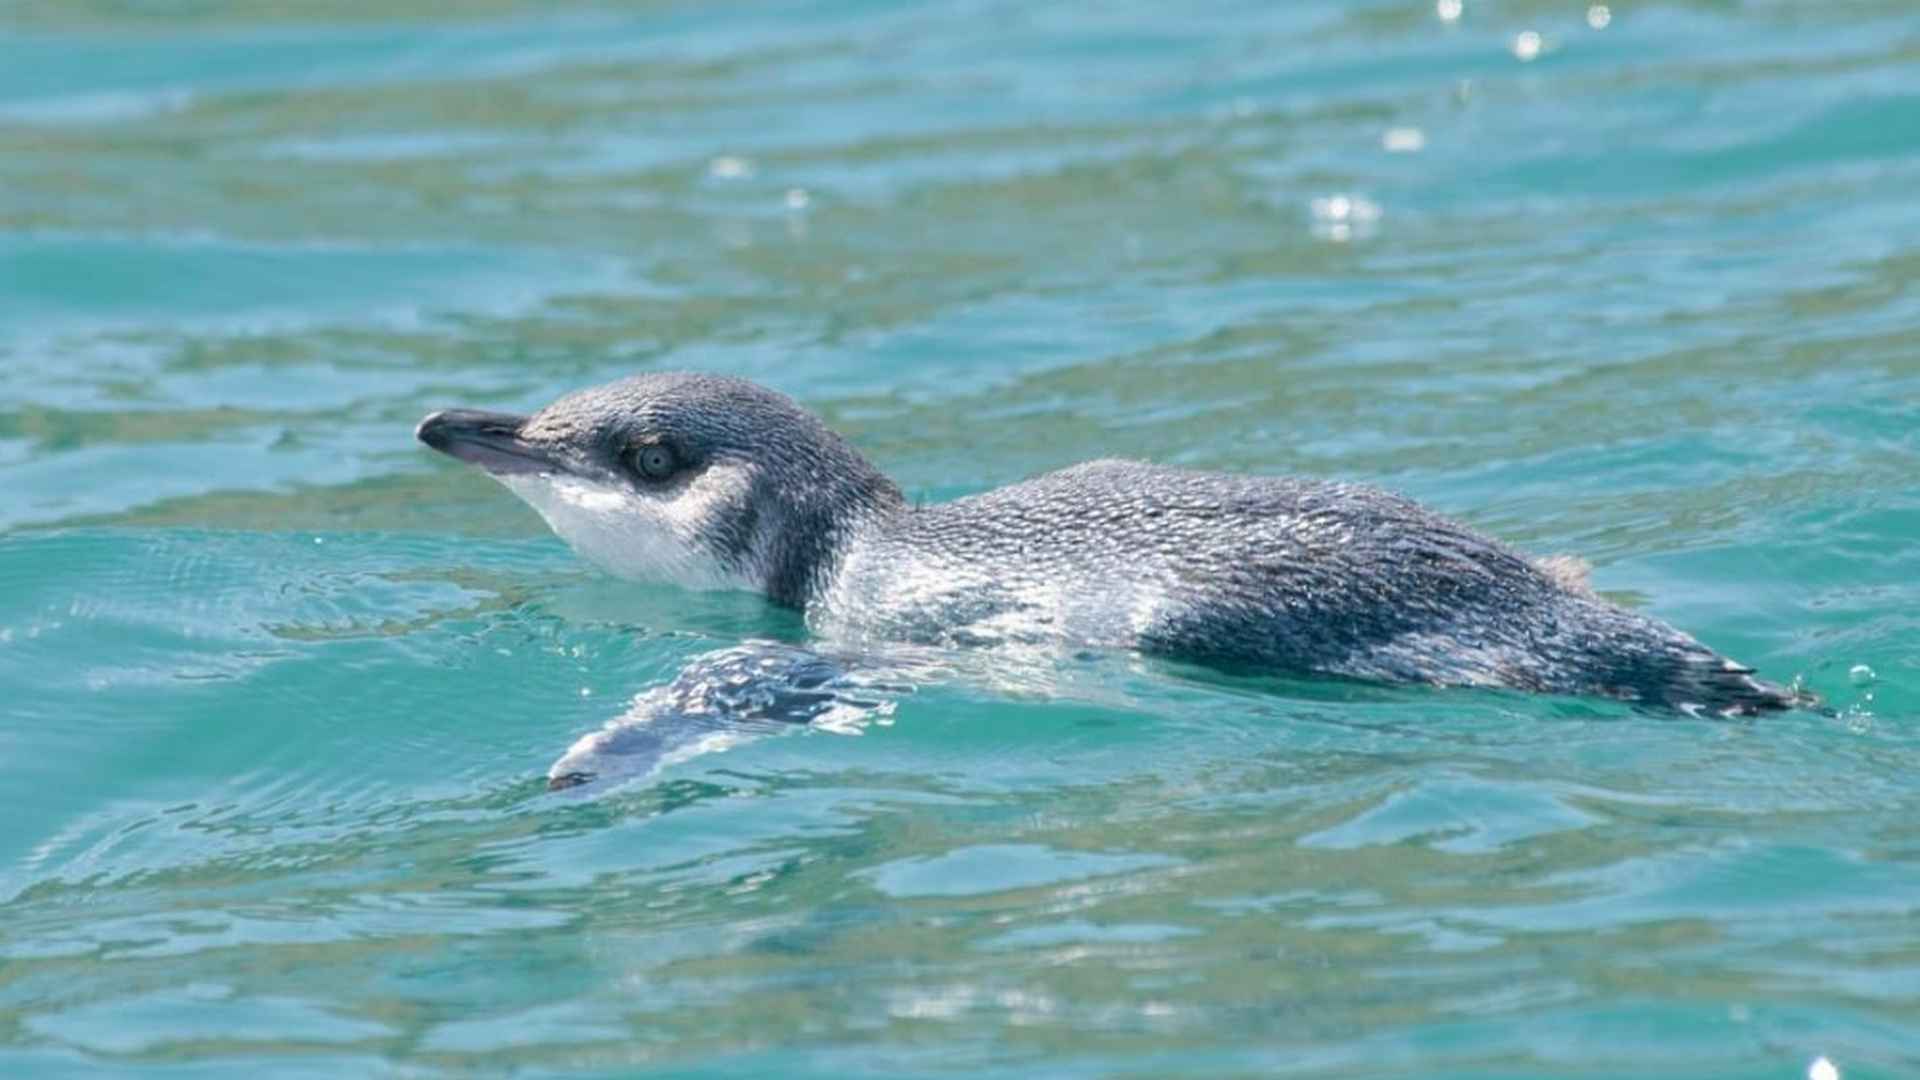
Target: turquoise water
[{"x": 278, "y": 688}]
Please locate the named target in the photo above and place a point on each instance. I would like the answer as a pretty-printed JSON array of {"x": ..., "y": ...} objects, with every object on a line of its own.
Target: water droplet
[
  {"x": 1527, "y": 45},
  {"x": 1448, "y": 10},
  {"x": 1404, "y": 140},
  {"x": 1822, "y": 1069},
  {"x": 586, "y": 691},
  {"x": 1599, "y": 16},
  {"x": 798, "y": 199},
  {"x": 1860, "y": 674},
  {"x": 729, "y": 167}
]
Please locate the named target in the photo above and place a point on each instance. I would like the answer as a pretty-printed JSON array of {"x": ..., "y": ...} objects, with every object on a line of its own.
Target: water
[{"x": 278, "y": 688}]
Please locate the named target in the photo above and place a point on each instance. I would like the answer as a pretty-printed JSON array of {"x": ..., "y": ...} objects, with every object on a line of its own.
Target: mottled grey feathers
[{"x": 1276, "y": 573}]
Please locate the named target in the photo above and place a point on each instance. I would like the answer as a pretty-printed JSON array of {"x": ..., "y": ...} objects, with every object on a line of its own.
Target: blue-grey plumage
[{"x": 718, "y": 482}]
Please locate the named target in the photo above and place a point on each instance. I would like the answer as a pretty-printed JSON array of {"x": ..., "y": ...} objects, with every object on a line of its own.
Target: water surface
[{"x": 278, "y": 688}]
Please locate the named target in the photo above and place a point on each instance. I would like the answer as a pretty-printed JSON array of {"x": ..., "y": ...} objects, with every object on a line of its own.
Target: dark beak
[{"x": 488, "y": 439}]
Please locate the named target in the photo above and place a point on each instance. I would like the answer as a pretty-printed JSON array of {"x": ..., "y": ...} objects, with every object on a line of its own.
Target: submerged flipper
[{"x": 719, "y": 698}]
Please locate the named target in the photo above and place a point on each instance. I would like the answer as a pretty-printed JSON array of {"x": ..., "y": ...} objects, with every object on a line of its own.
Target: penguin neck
[{"x": 811, "y": 546}]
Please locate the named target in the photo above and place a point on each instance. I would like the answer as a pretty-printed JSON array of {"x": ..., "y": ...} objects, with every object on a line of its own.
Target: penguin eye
[{"x": 654, "y": 461}]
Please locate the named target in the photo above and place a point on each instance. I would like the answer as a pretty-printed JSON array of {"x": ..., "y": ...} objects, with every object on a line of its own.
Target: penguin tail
[{"x": 1713, "y": 685}]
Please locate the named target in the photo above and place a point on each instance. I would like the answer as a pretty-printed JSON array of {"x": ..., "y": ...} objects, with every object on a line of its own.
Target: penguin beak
[{"x": 488, "y": 439}]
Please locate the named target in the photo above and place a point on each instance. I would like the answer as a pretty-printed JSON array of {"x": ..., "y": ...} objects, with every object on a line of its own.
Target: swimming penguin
[{"x": 715, "y": 482}]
